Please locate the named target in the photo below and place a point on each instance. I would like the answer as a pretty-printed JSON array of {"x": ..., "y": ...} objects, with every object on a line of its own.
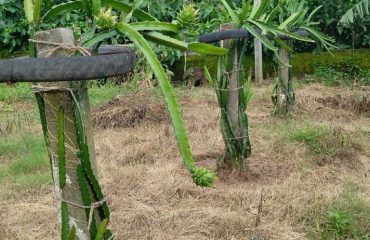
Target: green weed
[
  {"x": 29, "y": 166},
  {"x": 327, "y": 145},
  {"x": 106, "y": 92},
  {"x": 346, "y": 217},
  {"x": 15, "y": 92},
  {"x": 315, "y": 137},
  {"x": 340, "y": 74}
]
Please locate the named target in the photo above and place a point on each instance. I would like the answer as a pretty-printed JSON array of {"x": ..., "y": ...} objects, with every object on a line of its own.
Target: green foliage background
[{"x": 13, "y": 27}]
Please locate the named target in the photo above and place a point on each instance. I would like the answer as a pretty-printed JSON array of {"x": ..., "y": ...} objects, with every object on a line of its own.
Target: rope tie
[
  {"x": 233, "y": 71},
  {"x": 61, "y": 46},
  {"x": 238, "y": 138},
  {"x": 40, "y": 89},
  {"x": 229, "y": 89},
  {"x": 92, "y": 207}
]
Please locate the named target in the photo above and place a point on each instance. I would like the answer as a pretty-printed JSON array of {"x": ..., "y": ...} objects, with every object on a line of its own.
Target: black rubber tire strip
[
  {"x": 110, "y": 61},
  {"x": 239, "y": 33}
]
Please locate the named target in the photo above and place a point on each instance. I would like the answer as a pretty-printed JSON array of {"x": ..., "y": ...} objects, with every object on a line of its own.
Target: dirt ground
[{"x": 152, "y": 196}]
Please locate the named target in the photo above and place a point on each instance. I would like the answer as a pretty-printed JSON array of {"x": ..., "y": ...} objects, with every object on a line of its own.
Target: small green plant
[
  {"x": 15, "y": 92},
  {"x": 341, "y": 74},
  {"x": 316, "y": 138},
  {"x": 29, "y": 167},
  {"x": 340, "y": 222},
  {"x": 346, "y": 217},
  {"x": 327, "y": 145}
]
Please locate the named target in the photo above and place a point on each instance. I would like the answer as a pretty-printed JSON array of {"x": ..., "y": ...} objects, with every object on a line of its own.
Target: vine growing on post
[
  {"x": 64, "y": 109},
  {"x": 293, "y": 15},
  {"x": 232, "y": 87},
  {"x": 236, "y": 137}
]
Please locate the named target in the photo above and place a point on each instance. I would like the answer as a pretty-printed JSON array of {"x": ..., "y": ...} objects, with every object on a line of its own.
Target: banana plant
[
  {"x": 292, "y": 16},
  {"x": 356, "y": 14},
  {"x": 359, "y": 10},
  {"x": 145, "y": 28}
]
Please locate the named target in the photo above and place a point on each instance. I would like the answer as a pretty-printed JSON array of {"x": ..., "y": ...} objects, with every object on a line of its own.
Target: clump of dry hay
[
  {"x": 314, "y": 99},
  {"x": 358, "y": 104},
  {"x": 130, "y": 111}
]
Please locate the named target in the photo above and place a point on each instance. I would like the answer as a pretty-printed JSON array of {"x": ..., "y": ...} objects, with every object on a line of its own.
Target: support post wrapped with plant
[
  {"x": 283, "y": 95},
  {"x": 233, "y": 92},
  {"x": 64, "y": 112},
  {"x": 232, "y": 87},
  {"x": 293, "y": 15}
]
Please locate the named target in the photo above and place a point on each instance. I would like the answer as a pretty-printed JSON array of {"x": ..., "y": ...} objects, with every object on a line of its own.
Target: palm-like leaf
[
  {"x": 127, "y": 8},
  {"x": 63, "y": 8},
  {"x": 37, "y": 11},
  {"x": 232, "y": 13},
  {"x": 96, "y": 5},
  {"x": 297, "y": 17},
  {"x": 99, "y": 37},
  {"x": 259, "y": 9},
  {"x": 359, "y": 10}
]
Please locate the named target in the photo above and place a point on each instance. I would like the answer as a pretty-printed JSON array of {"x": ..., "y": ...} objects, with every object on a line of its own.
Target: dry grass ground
[{"x": 299, "y": 170}]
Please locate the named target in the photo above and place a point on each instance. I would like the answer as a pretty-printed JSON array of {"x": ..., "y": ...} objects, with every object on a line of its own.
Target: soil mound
[
  {"x": 130, "y": 111},
  {"x": 357, "y": 104}
]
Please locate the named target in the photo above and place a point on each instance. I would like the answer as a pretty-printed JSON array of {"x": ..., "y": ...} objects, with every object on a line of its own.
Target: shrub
[{"x": 13, "y": 27}]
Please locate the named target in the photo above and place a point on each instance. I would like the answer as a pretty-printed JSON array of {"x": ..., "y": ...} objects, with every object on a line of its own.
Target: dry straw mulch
[{"x": 152, "y": 195}]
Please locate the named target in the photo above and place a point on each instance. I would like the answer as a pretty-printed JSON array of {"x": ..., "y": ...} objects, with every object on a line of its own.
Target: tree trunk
[
  {"x": 64, "y": 112},
  {"x": 258, "y": 73}
]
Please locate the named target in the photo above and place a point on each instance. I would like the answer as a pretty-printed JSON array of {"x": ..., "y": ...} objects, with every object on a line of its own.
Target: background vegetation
[{"x": 13, "y": 27}]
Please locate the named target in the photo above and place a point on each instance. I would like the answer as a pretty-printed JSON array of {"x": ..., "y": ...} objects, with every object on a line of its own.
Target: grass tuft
[
  {"x": 29, "y": 166},
  {"x": 347, "y": 217},
  {"x": 16, "y": 91},
  {"x": 316, "y": 138},
  {"x": 327, "y": 145}
]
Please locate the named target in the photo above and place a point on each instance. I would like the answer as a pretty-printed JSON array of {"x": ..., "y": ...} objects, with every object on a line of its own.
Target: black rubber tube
[
  {"x": 110, "y": 61},
  {"x": 239, "y": 33}
]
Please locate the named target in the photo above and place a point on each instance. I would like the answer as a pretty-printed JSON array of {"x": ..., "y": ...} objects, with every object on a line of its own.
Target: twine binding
[
  {"x": 92, "y": 207},
  {"x": 61, "y": 46}
]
